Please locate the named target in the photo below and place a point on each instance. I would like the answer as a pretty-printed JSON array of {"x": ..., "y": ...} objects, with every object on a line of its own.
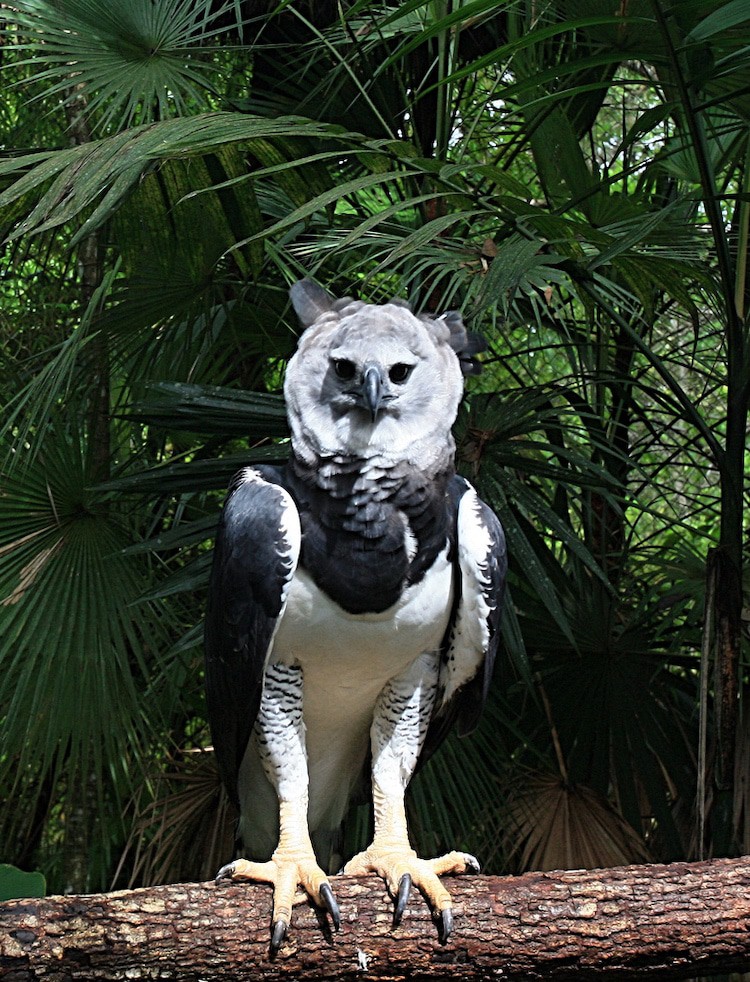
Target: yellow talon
[{"x": 293, "y": 864}]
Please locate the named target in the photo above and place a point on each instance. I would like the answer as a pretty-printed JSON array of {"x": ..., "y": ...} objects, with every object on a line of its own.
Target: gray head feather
[
  {"x": 465, "y": 343},
  {"x": 311, "y": 301},
  {"x": 374, "y": 381}
]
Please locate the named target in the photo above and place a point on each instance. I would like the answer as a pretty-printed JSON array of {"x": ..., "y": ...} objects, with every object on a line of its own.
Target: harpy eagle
[{"x": 354, "y": 602}]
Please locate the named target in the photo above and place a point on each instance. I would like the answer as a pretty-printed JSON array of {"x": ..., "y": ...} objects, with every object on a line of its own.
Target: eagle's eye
[
  {"x": 399, "y": 372},
  {"x": 344, "y": 369}
]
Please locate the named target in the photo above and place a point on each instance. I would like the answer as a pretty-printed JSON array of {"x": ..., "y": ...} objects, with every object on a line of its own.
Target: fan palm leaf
[
  {"x": 125, "y": 62},
  {"x": 75, "y": 726},
  {"x": 552, "y": 824}
]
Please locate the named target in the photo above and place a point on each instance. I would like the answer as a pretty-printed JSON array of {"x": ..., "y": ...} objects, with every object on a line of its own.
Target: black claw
[
  {"x": 225, "y": 873},
  {"x": 329, "y": 902},
  {"x": 279, "y": 933},
  {"x": 445, "y": 924},
  {"x": 402, "y": 898}
]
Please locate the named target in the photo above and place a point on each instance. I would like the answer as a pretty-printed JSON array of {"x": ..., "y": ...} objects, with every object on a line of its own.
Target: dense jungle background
[{"x": 574, "y": 177}]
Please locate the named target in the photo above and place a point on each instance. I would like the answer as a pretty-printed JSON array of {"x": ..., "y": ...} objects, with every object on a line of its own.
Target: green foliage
[
  {"x": 15, "y": 884},
  {"x": 79, "y": 646},
  {"x": 575, "y": 181},
  {"x": 131, "y": 62}
]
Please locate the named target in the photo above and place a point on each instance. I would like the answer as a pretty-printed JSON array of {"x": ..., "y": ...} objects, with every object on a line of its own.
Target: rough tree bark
[{"x": 674, "y": 921}]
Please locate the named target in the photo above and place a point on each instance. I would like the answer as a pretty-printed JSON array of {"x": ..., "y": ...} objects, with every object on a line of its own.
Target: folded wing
[{"x": 255, "y": 557}]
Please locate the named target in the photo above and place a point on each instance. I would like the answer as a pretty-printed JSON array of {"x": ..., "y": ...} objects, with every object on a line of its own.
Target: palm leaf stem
[
  {"x": 699, "y": 145},
  {"x": 742, "y": 240},
  {"x": 701, "y": 803}
]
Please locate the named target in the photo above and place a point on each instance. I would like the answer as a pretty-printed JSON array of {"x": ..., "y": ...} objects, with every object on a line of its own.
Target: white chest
[{"x": 365, "y": 648}]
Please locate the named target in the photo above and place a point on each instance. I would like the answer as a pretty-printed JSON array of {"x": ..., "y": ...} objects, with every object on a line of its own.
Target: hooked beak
[{"x": 372, "y": 389}]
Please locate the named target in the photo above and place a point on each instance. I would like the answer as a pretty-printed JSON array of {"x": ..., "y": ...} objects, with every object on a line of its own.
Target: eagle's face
[{"x": 373, "y": 382}]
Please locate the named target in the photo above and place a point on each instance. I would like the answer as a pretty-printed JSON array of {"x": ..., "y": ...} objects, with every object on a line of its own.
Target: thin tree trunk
[
  {"x": 98, "y": 416},
  {"x": 97, "y": 368},
  {"x": 675, "y": 921},
  {"x": 91, "y": 270}
]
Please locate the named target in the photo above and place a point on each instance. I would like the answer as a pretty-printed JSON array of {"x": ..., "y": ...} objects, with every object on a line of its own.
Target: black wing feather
[
  {"x": 255, "y": 556},
  {"x": 464, "y": 707},
  {"x": 472, "y": 697}
]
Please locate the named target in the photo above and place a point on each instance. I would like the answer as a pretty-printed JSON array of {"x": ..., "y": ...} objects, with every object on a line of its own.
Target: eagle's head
[{"x": 374, "y": 381}]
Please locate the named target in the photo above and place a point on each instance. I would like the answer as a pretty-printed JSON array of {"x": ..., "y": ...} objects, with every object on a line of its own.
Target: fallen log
[{"x": 668, "y": 921}]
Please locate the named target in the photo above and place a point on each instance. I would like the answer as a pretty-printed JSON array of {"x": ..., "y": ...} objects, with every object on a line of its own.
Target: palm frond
[
  {"x": 184, "y": 804},
  {"x": 100, "y": 174},
  {"x": 77, "y": 721},
  {"x": 121, "y": 64},
  {"x": 550, "y": 824}
]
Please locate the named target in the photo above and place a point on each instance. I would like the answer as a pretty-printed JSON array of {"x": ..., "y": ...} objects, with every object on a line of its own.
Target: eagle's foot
[
  {"x": 401, "y": 869},
  {"x": 293, "y": 864},
  {"x": 286, "y": 871}
]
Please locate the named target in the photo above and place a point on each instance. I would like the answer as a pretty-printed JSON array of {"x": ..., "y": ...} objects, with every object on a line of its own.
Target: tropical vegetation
[{"x": 574, "y": 177}]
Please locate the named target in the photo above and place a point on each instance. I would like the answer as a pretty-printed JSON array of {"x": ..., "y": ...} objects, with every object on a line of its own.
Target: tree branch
[{"x": 676, "y": 921}]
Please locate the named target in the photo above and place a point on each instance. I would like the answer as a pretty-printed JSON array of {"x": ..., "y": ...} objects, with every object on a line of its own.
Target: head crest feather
[
  {"x": 466, "y": 344},
  {"x": 311, "y": 302}
]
